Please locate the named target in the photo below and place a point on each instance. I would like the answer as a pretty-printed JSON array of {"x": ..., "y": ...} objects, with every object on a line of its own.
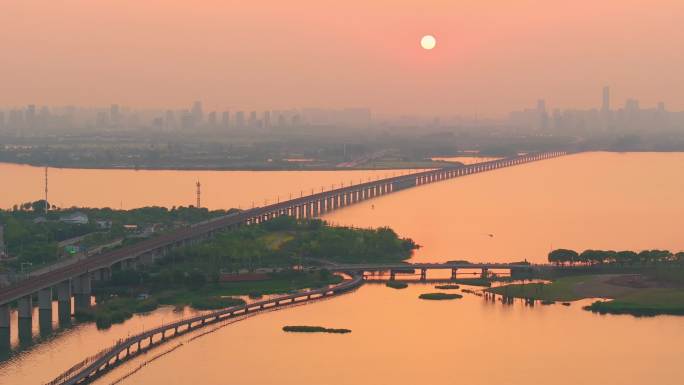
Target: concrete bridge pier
[
  {"x": 82, "y": 292},
  {"x": 64, "y": 302},
  {"x": 393, "y": 275},
  {"x": 423, "y": 274},
  {"x": 25, "y": 310},
  {"x": 45, "y": 311},
  {"x": 5, "y": 320}
]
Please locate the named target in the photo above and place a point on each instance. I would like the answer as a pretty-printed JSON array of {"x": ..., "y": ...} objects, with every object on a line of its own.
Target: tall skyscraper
[
  {"x": 170, "y": 120},
  {"x": 187, "y": 120},
  {"x": 605, "y": 106},
  {"x": 31, "y": 116},
  {"x": 253, "y": 119},
  {"x": 225, "y": 119},
  {"x": 240, "y": 119},
  {"x": 115, "y": 115},
  {"x": 543, "y": 115},
  {"x": 267, "y": 119},
  {"x": 197, "y": 114},
  {"x": 211, "y": 119}
]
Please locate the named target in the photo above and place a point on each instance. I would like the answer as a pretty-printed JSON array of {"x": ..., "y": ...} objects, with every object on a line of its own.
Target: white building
[{"x": 77, "y": 218}]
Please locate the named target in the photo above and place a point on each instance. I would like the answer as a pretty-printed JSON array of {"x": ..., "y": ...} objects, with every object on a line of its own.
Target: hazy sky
[{"x": 491, "y": 56}]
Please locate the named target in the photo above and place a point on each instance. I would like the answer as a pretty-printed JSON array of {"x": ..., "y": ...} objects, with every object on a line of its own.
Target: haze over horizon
[{"x": 491, "y": 56}]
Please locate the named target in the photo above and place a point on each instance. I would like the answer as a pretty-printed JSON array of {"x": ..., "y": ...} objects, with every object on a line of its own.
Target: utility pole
[
  {"x": 47, "y": 207},
  {"x": 199, "y": 193}
]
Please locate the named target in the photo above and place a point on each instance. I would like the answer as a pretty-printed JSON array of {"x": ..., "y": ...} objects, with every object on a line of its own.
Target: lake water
[
  {"x": 399, "y": 339},
  {"x": 130, "y": 188},
  {"x": 592, "y": 200}
]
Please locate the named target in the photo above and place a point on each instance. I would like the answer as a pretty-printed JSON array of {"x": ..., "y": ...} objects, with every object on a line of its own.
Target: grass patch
[
  {"x": 275, "y": 240},
  {"x": 561, "y": 289},
  {"x": 647, "y": 302},
  {"x": 396, "y": 285},
  {"x": 215, "y": 303},
  {"x": 439, "y": 296},
  {"x": 447, "y": 287},
  {"x": 115, "y": 310},
  {"x": 314, "y": 329},
  {"x": 473, "y": 281}
]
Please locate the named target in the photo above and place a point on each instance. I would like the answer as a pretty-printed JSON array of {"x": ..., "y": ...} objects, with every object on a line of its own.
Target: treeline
[
  {"x": 625, "y": 257},
  {"x": 32, "y": 236},
  {"x": 285, "y": 241}
]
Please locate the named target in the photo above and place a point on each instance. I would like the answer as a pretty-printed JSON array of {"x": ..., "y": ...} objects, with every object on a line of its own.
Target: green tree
[{"x": 562, "y": 256}]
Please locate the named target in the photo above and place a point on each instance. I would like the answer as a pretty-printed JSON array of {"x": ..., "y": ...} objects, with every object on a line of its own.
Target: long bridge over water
[{"x": 75, "y": 280}]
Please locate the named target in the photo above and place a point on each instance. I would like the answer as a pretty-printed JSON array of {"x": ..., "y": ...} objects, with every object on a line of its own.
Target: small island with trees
[{"x": 644, "y": 283}]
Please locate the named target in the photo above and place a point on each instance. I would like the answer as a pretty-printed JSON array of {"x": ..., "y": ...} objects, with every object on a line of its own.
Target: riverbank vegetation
[
  {"x": 634, "y": 294},
  {"x": 249, "y": 261},
  {"x": 34, "y": 238},
  {"x": 314, "y": 329},
  {"x": 625, "y": 257},
  {"x": 439, "y": 296}
]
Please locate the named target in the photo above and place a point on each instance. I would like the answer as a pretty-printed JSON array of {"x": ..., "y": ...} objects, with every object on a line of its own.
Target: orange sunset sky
[{"x": 492, "y": 56}]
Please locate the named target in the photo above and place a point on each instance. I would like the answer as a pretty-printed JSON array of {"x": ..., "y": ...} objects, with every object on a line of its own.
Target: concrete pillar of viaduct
[
  {"x": 25, "y": 310},
  {"x": 64, "y": 302},
  {"x": 82, "y": 291},
  {"x": 5, "y": 328},
  {"x": 45, "y": 311}
]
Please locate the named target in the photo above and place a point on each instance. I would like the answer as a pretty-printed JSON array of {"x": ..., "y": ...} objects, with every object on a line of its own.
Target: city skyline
[
  {"x": 272, "y": 56},
  {"x": 607, "y": 112}
]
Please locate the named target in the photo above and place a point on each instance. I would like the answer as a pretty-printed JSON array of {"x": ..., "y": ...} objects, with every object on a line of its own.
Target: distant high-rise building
[
  {"x": 102, "y": 120},
  {"x": 225, "y": 119},
  {"x": 240, "y": 119},
  {"x": 30, "y": 116},
  {"x": 543, "y": 115},
  {"x": 605, "y": 105},
  {"x": 631, "y": 105},
  {"x": 187, "y": 120},
  {"x": 252, "y": 119},
  {"x": 2, "y": 120},
  {"x": 197, "y": 114},
  {"x": 211, "y": 119},
  {"x": 114, "y": 115},
  {"x": 158, "y": 123},
  {"x": 15, "y": 120},
  {"x": 170, "y": 120},
  {"x": 267, "y": 119},
  {"x": 541, "y": 105}
]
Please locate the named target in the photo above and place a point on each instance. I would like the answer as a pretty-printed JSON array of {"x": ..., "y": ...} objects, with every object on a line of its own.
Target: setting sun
[{"x": 428, "y": 42}]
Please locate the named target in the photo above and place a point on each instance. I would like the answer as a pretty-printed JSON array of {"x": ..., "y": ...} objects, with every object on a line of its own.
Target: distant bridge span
[{"x": 76, "y": 279}]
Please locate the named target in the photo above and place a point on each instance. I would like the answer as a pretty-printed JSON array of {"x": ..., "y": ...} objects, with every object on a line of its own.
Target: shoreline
[
  {"x": 93, "y": 367},
  {"x": 251, "y": 169}
]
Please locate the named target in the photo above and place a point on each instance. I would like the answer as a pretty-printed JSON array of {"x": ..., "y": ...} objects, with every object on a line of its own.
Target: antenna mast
[{"x": 198, "y": 195}]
